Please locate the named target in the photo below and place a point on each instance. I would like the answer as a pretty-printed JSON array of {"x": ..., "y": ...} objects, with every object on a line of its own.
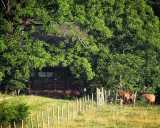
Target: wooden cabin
[{"x": 57, "y": 82}]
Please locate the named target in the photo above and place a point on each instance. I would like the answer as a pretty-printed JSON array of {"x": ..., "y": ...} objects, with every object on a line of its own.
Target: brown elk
[
  {"x": 123, "y": 95},
  {"x": 149, "y": 97},
  {"x": 126, "y": 96}
]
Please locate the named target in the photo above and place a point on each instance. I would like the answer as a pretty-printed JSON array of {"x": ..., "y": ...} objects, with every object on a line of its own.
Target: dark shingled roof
[{"x": 65, "y": 31}]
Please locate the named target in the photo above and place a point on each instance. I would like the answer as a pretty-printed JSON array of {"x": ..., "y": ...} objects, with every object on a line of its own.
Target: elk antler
[
  {"x": 149, "y": 88},
  {"x": 131, "y": 90},
  {"x": 143, "y": 90},
  {"x": 119, "y": 86}
]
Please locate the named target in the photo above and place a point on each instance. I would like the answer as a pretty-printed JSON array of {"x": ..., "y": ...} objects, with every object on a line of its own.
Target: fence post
[
  {"x": 14, "y": 124},
  {"x": 58, "y": 117},
  {"x": 135, "y": 98},
  {"x": 31, "y": 122},
  {"x": 22, "y": 123},
  {"x": 85, "y": 100},
  {"x": 92, "y": 101},
  {"x": 83, "y": 104},
  {"x": 88, "y": 103},
  {"x": 42, "y": 120},
  {"x": 116, "y": 98},
  {"x": 76, "y": 107},
  {"x": 72, "y": 111},
  {"x": 48, "y": 117},
  {"x": 62, "y": 115},
  {"x": 53, "y": 116},
  {"x": 102, "y": 95},
  {"x": 68, "y": 112},
  {"x": 109, "y": 95},
  {"x": 37, "y": 121},
  {"x": 105, "y": 95},
  {"x": 97, "y": 92},
  {"x": 79, "y": 104}
]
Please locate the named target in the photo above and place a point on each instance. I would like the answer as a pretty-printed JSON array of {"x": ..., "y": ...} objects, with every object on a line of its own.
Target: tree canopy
[{"x": 122, "y": 44}]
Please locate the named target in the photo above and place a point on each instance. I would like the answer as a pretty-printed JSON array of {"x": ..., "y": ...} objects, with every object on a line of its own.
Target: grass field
[{"x": 106, "y": 116}]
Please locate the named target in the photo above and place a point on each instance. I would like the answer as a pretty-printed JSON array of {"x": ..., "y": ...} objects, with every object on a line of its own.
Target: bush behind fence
[{"x": 62, "y": 114}]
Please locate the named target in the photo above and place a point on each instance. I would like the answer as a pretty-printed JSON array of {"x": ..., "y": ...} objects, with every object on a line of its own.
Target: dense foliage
[
  {"x": 15, "y": 112},
  {"x": 122, "y": 45}
]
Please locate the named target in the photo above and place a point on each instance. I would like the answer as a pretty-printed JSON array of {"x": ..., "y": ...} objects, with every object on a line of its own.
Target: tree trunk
[
  {"x": 116, "y": 98},
  {"x": 9, "y": 18},
  {"x": 135, "y": 98},
  {"x": 121, "y": 101}
]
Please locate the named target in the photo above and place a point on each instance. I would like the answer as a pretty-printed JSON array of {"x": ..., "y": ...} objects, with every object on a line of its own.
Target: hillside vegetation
[{"x": 107, "y": 115}]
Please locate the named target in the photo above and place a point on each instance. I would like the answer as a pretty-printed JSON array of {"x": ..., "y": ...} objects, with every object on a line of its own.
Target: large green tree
[
  {"x": 20, "y": 53},
  {"x": 122, "y": 44},
  {"x": 123, "y": 41}
]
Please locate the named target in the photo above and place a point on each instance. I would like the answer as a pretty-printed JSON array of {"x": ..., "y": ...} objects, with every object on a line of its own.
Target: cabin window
[{"x": 45, "y": 74}]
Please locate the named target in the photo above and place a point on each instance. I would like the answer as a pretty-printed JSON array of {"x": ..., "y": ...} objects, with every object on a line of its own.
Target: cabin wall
[{"x": 53, "y": 81}]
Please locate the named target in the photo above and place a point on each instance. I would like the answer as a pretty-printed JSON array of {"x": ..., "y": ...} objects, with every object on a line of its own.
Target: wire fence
[{"x": 62, "y": 114}]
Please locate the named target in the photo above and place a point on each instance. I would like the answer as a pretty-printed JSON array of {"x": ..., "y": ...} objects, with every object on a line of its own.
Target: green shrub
[
  {"x": 13, "y": 112},
  {"x": 142, "y": 102}
]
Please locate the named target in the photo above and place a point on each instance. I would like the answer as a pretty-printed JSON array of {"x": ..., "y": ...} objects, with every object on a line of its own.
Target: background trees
[{"x": 122, "y": 44}]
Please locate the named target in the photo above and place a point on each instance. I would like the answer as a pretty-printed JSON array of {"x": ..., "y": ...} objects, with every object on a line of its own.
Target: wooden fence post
[
  {"x": 76, "y": 107},
  {"x": 53, "y": 116},
  {"x": 22, "y": 123},
  {"x": 97, "y": 97},
  {"x": 72, "y": 111},
  {"x": 109, "y": 93},
  {"x": 48, "y": 118},
  {"x": 83, "y": 104},
  {"x": 31, "y": 122},
  {"x": 79, "y": 104},
  {"x": 105, "y": 95},
  {"x": 92, "y": 101},
  {"x": 58, "y": 117},
  {"x": 135, "y": 98},
  {"x": 42, "y": 120},
  {"x": 62, "y": 115},
  {"x": 116, "y": 98},
  {"x": 88, "y": 103},
  {"x": 14, "y": 124},
  {"x": 68, "y": 112},
  {"x": 102, "y": 95},
  {"x": 85, "y": 100},
  {"x": 37, "y": 121}
]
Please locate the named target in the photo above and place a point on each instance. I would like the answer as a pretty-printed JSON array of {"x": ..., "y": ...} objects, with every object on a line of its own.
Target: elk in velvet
[
  {"x": 150, "y": 97},
  {"x": 124, "y": 95},
  {"x": 132, "y": 96}
]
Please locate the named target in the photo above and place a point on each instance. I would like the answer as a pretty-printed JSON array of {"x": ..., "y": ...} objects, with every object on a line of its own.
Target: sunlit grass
[
  {"x": 4, "y": 96},
  {"x": 113, "y": 116}
]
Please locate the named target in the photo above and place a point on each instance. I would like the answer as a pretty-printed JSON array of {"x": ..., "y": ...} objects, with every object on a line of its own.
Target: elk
[
  {"x": 149, "y": 97},
  {"x": 126, "y": 96},
  {"x": 132, "y": 96}
]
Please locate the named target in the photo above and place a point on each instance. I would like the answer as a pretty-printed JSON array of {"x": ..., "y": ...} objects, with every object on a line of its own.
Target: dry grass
[
  {"x": 106, "y": 116},
  {"x": 119, "y": 117}
]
